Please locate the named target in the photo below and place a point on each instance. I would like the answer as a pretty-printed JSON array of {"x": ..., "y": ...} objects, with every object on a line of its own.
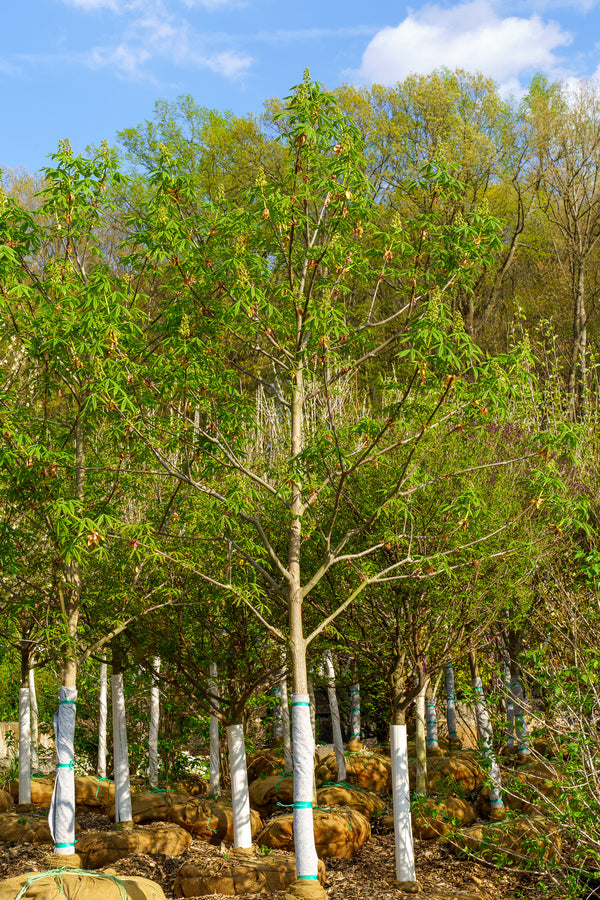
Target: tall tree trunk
[
  {"x": 577, "y": 385},
  {"x": 403, "y": 841},
  {"x": 123, "y": 812},
  {"x": 240, "y": 798},
  {"x": 24, "y": 725},
  {"x": 484, "y": 731},
  {"x": 285, "y": 718},
  {"x": 154, "y": 720},
  {"x": 355, "y": 742},
  {"x": 35, "y": 735},
  {"x": 338, "y": 742},
  {"x": 454, "y": 741},
  {"x": 303, "y": 739},
  {"x": 102, "y": 718},
  {"x": 61, "y": 817},
  {"x": 515, "y": 643},
  {"x": 420, "y": 743},
  {"x": 214, "y": 776}
]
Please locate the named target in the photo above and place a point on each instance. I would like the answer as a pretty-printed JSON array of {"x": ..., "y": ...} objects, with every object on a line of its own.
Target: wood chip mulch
[{"x": 369, "y": 876}]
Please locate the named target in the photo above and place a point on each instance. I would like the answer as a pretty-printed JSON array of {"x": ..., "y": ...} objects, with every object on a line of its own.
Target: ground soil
[{"x": 441, "y": 875}]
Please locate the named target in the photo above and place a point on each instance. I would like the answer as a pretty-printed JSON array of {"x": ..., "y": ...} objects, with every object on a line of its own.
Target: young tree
[{"x": 295, "y": 293}]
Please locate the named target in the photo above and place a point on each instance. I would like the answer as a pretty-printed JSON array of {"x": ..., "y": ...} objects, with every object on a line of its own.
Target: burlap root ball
[
  {"x": 266, "y": 793},
  {"x": 209, "y": 820},
  {"x": 235, "y": 877},
  {"x": 94, "y": 792},
  {"x": 366, "y": 769},
  {"x": 41, "y": 790},
  {"x": 267, "y": 762},
  {"x": 6, "y": 801},
  {"x": 366, "y": 802},
  {"x": 100, "y": 848},
  {"x": 153, "y": 806},
  {"x": 434, "y": 818},
  {"x": 460, "y": 771},
  {"x": 193, "y": 785},
  {"x": 525, "y": 841},
  {"x": 79, "y": 886},
  {"x": 339, "y": 833},
  {"x": 24, "y": 828}
]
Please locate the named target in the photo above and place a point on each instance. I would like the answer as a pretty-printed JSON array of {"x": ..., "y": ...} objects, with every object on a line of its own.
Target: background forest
[{"x": 325, "y": 380}]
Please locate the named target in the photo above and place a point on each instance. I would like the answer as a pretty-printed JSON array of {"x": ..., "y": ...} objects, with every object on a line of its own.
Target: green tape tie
[
  {"x": 68, "y": 702},
  {"x": 68, "y": 765},
  {"x": 302, "y": 804},
  {"x": 69, "y": 844},
  {"x": 100, "y": 780},
  {"x": 355, "y": 709},
  {"x": 301, "y": 703},
  {"x": 308, "y": 878},
  {"x": 355, "y": 737}
]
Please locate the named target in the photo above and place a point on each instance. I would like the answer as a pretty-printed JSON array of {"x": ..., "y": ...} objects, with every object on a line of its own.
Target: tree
[
  {"x": 566, "y": 131},
  {"x": 296, "y": 294}
]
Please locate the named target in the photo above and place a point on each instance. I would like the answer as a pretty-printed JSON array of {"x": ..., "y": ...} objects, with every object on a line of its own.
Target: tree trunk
[
  {"x": 61, "y": 817},
  {"x": 420, "y": 743},
  {"x": 123, "y": 812},
  {"x": 515, "y": 643},
  {"x": 577, "y": 385},
  {"x": 154, "y": 720},
  {"x": 303, "y": 738},
  {"x": 24, "y": 725},
  {"x": 453, "y": 740},
  {"x": 355, "y": 723},
  {"x": 484, "y": 731},
  {"x": 404, "y": 849},
  {"x": 285, "y": 718},
  {"x": 102, "y": 718},
  {"x": 338, "y": 741},
  {"x": 35, "y": 737},
  {"x": 431, "y": 720},
  {"x": 214, "y": 779},
  {"x": 240, "y": 798}
]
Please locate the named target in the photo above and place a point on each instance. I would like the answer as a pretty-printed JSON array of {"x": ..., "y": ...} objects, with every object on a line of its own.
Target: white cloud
[
  {"x": 229, "y": 63},
  {"x": 470, "y": 35},
  {"x": 212, "y": 4},
  {"x": 125, "y": 60},
  {"x": 88, "y": 5}
]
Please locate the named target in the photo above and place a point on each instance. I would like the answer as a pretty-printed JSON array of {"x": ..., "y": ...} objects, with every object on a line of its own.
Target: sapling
[
  {"x": 102, "y": 717},
  {"x": 338, "y": 741},
  {"x": 214, "y": 779},
  {"x": 484, "y": 732},
  {"x": 154, "y": 721}
]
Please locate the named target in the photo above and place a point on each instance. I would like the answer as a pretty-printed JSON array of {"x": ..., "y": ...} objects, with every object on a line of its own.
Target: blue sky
[{"x": 83, "y": 69}]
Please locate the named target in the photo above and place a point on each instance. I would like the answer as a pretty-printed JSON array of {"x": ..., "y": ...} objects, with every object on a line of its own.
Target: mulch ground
[{"x": 370, "y": 874}]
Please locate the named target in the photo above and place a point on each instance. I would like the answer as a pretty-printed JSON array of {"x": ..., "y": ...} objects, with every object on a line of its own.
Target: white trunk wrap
[
  {"x": 304, "y": 755},
  {"x": 102, "y": 718},
  {"x": 240, "y": 798},
  {"x": 154, "y": 720},
  {"x": 516, "y": 690},
  {"x": 214, "y": 776},
  {"x": 120, "y": 752},
  {"x": 61, "y": 816},
  {"x": 484, "y": 729},
  {"x": 450, "y": 702},
  {"x": 420, "y": 742},
  {"x": 510, "y": 710},
  {"x": 24, "y": 747},
  {"x": 355, "y": 711},
  {"x": 338, "y": 741},
  {"x": 33, "y": 705},
  {"x": 405, "y": 855}
]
